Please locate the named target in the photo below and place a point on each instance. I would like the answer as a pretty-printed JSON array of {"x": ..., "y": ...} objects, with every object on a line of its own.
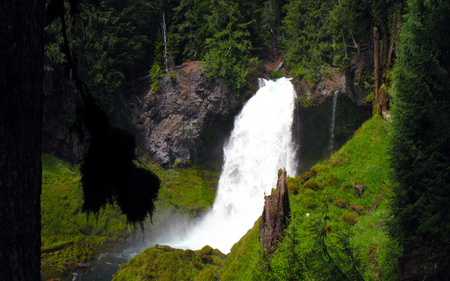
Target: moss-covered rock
[{"x": 166, "y": 263}]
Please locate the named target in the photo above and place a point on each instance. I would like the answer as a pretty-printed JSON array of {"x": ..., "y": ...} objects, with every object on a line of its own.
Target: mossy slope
[{"x": 334, "y": 233}]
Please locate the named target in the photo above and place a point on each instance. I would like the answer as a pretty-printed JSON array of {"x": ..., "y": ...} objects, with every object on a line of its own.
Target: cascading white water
[
  {"x": 333, "y": 120},
  {"x": 260, "y": 144}
]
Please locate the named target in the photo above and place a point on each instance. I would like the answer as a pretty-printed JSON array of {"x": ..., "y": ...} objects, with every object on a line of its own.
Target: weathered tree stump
[{"x": 276, "y": 214}]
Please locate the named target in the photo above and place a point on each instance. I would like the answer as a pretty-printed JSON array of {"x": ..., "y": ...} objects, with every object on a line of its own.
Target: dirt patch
[
  {"x": 188, "y": 66},
  {"x": 273, "y": 63}
]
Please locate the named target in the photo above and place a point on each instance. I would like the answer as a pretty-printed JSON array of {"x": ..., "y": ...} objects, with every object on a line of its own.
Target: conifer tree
[{"x": 420, "y": 135}]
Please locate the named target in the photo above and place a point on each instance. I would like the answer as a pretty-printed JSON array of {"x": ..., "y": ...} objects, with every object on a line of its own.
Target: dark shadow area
[{"x": 314, "y": 132}]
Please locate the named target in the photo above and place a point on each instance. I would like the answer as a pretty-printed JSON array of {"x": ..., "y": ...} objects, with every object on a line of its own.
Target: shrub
[
  {"x": 300, "y": 74},
  {"x": 313, "y": 185},
  {"x": 276, "y": 74}
]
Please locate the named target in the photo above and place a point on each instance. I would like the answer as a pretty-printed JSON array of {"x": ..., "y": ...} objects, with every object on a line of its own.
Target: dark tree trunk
[
  {"x": 279, "y": 18},
  {"x": 21, "y": 80},
  {"x": 376, "y": 59},
  {"x": 272, "y": 30}
]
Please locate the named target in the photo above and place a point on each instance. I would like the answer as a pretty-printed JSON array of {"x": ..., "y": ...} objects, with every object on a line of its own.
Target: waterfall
[
  {"x": 259, "y": 145},
  {"x": 333, "y": 119}
]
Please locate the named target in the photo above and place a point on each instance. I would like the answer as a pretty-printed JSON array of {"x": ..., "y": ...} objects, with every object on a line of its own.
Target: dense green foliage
[
  {"x": 110, "y": 45},
  {"x": 118, "y": 42},
  {"x": 340, "y": 33},
  {"x": 420, "y": 138}
]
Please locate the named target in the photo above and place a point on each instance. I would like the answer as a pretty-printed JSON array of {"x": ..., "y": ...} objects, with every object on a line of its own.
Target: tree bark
[
  {"x": 272, "y": 31},
  {"x": 21, "y": 86},
  {"x": 376, "y": 59},
  {"x": 279, "y": 18},
  {"x": 276, "y": 214}
]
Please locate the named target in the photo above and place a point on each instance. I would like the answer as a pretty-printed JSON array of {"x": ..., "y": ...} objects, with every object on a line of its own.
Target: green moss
[
  {"x": 313, "y": 185},
  {"x": 166, "y": 263}
]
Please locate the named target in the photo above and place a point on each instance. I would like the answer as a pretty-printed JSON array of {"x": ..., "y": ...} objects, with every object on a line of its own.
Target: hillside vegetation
[
  {"x": 334, "y": 233},
  {"x": 69, "y": 236}
]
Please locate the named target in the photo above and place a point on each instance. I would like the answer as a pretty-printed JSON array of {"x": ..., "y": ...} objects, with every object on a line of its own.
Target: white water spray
[
  {"x": 260, "y": 144},
  {"x": 333, "y": 118}
]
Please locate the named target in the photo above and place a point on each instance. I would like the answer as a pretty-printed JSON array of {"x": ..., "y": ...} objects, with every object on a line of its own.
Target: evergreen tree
[
  {"x": 310, "y": 43},
  {"x": 228, "y": 47},
  {"x": 421, "y": 138},
  {"x": 192, "y": 27}
]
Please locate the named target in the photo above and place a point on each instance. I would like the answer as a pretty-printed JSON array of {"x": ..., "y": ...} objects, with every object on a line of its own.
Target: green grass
[{"x": 325, "y": 239}]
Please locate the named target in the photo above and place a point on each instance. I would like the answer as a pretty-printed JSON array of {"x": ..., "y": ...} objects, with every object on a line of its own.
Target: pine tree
[
  {"x": 420, "y": 138},
  {"x": 228, "y": 48}
]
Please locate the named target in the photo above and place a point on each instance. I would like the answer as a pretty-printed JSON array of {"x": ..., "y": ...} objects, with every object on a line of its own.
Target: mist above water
[{"x": 260, "y": 144}]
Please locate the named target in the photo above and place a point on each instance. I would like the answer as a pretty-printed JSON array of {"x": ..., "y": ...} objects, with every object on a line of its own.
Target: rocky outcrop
[
  {"x": 275, "y": 215},
  {"x": 176, "y": 120}
]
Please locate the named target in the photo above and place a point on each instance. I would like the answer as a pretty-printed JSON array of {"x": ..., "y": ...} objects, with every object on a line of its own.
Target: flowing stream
[{"x": 259, "y": 145}]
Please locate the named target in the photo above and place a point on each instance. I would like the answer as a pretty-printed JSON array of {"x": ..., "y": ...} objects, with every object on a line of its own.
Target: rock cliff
[
  {"x": 275, "y": 214},
  {"x": 175, "y": 121}
]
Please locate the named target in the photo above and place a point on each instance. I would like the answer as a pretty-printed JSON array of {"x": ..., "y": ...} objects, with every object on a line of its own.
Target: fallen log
[{"x": 375, "y": 205}]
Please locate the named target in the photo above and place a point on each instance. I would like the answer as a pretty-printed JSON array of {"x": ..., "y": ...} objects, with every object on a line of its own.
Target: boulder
[
  {"x": 276, "y": 214},
  {"x": 176, "y": 120}
]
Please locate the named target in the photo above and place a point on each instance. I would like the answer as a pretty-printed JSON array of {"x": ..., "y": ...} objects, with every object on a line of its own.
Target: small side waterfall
[
  {"x": 333, "y": 120},
  {"x": 260, "y": 144}
]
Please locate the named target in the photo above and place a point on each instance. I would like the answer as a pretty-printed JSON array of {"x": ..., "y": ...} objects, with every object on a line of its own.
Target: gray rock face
[{"x": 176, "y": 119}]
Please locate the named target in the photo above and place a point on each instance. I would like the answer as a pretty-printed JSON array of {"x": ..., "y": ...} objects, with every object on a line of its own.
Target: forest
[
  {"x": 116, "y": 43},
  {"x": 395, "y": 57}
]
